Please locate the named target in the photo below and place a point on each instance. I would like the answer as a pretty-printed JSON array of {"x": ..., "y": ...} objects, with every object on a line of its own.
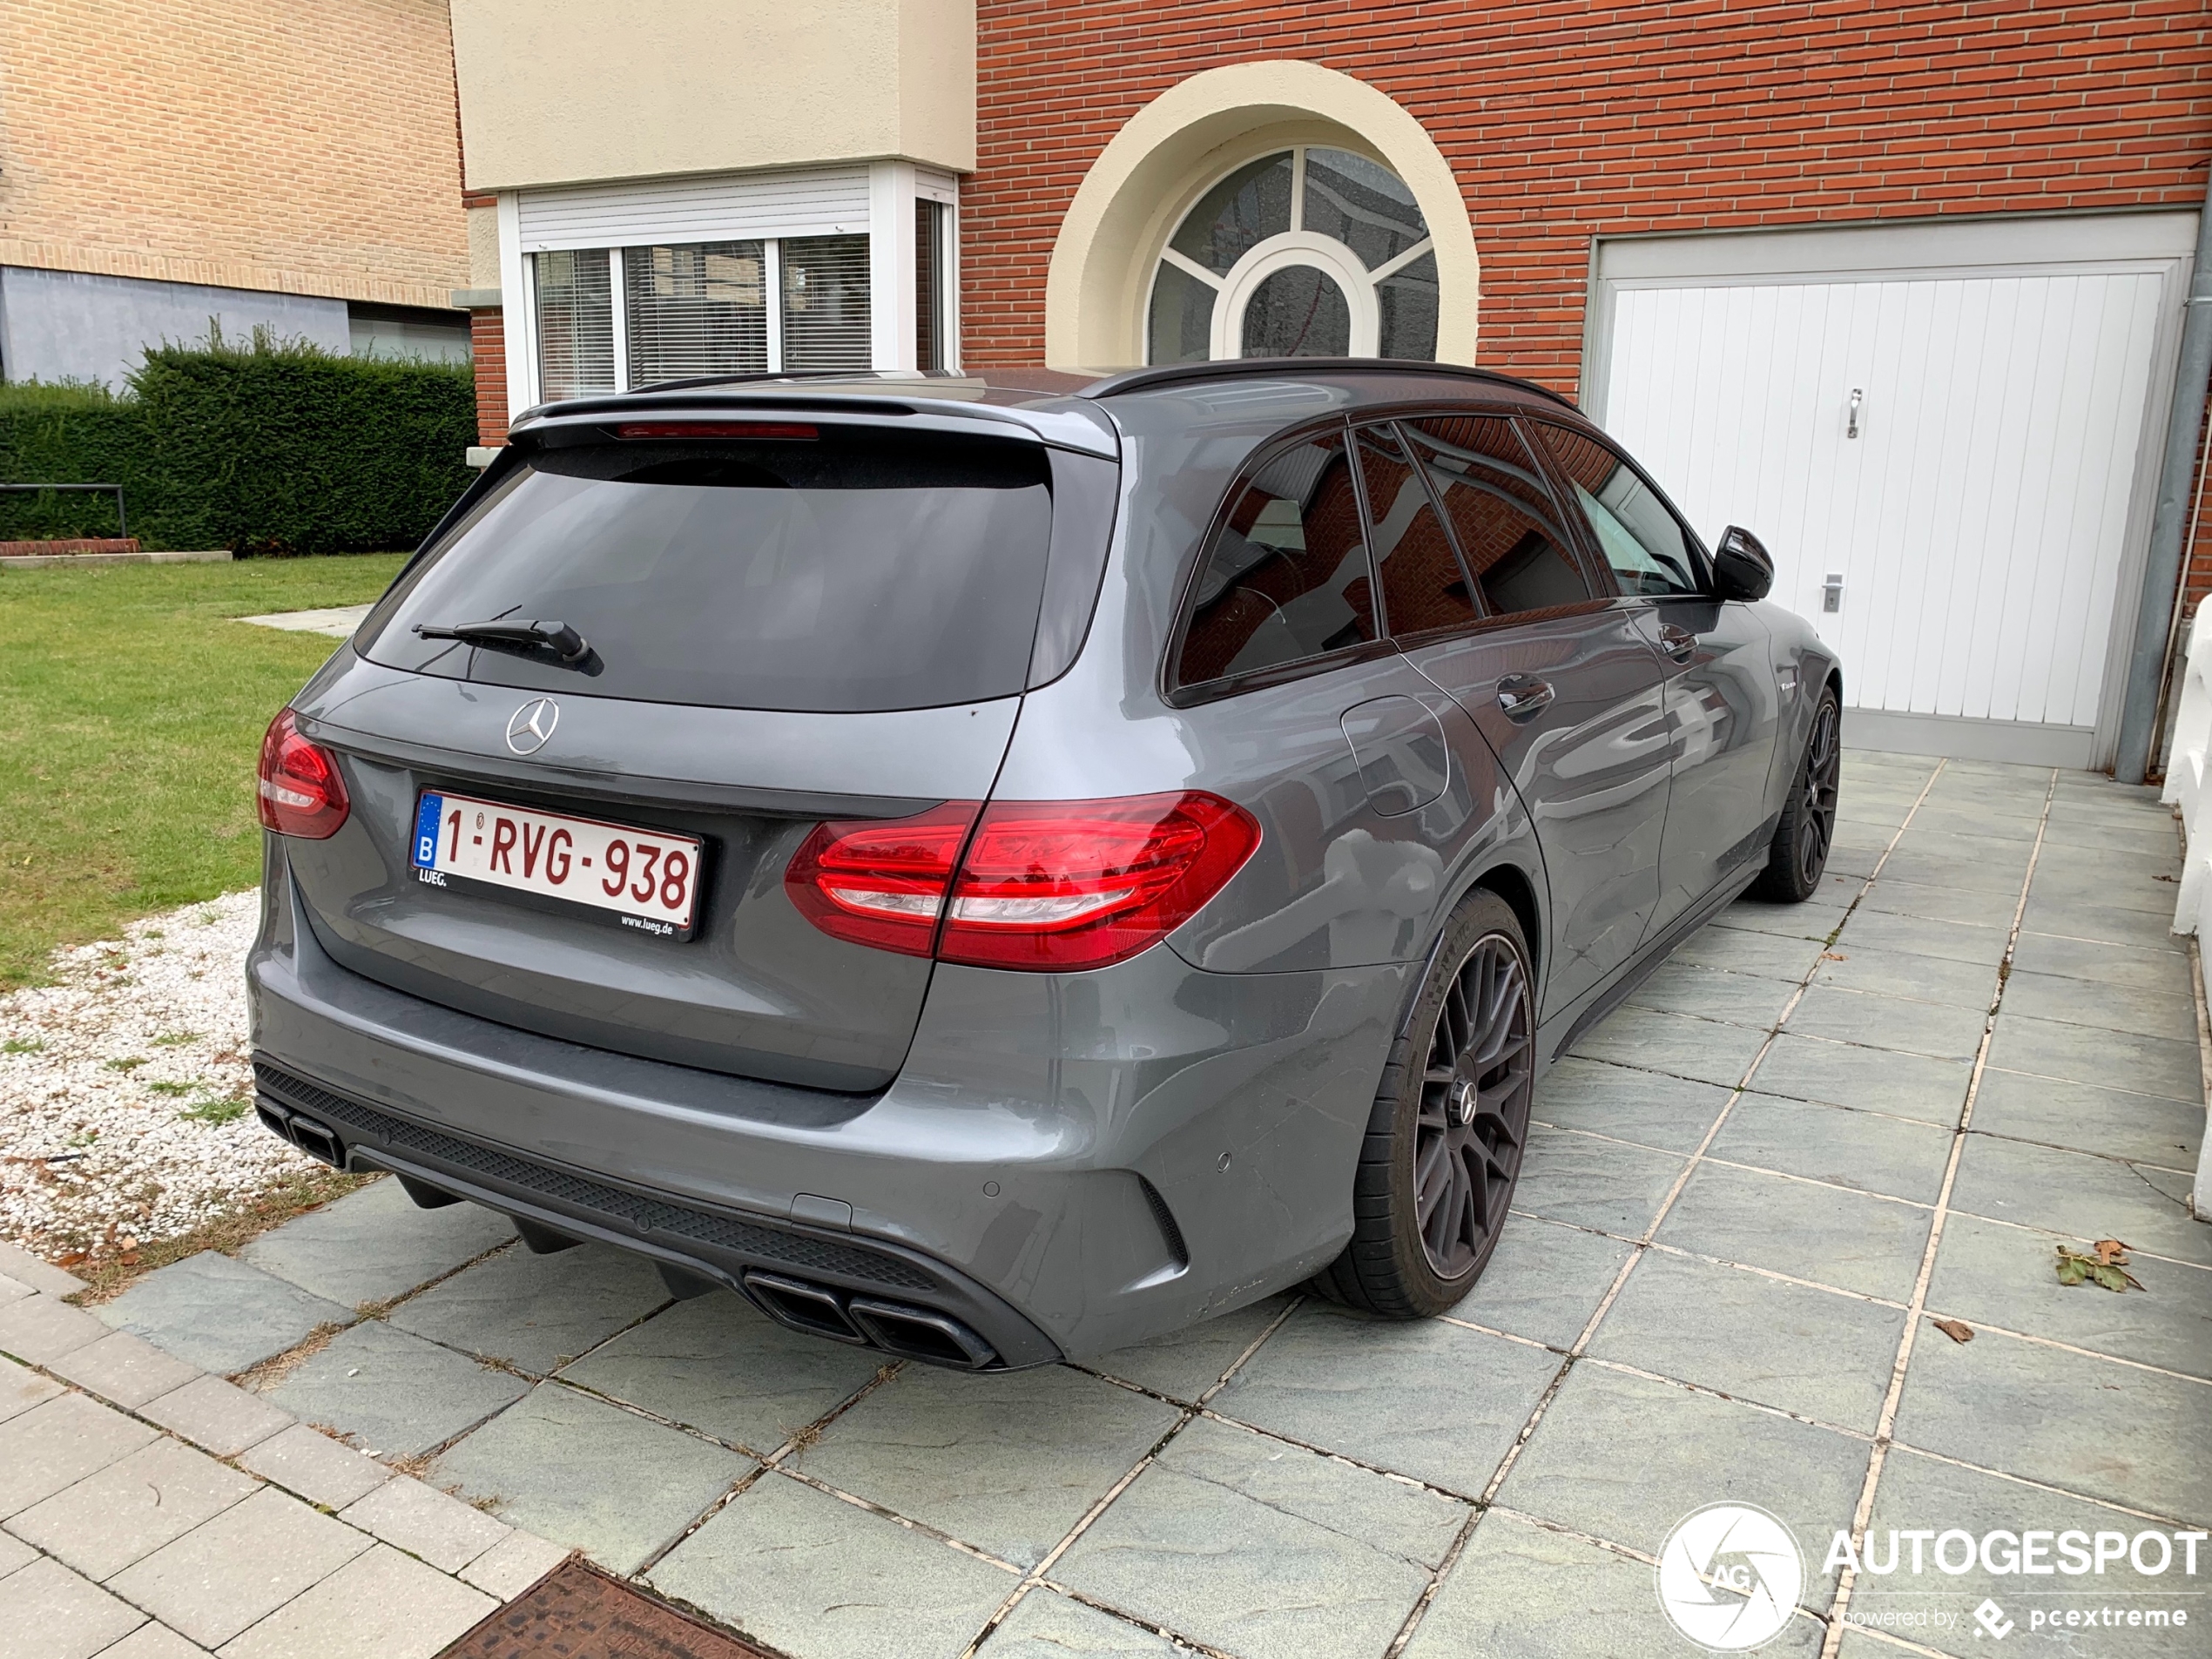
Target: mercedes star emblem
[{"x": 532, "y": 725}]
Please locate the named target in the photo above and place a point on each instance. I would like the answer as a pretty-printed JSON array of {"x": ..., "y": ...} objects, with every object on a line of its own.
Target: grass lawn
[{"x": 132, "y": 709}]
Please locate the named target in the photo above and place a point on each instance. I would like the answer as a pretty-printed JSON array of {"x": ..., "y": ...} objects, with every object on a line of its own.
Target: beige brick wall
[{"x": 307, "y": 146}]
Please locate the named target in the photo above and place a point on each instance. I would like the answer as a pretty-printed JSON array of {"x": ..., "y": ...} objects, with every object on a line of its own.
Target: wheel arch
[{"x": 1513, "y": 885}]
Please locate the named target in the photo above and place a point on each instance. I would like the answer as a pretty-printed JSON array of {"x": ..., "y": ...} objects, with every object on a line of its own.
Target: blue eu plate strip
[{"x": 425, "y": 829}]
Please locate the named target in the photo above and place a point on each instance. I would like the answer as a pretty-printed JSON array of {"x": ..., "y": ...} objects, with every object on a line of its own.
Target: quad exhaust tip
[
  {"x": 317, "y": 1141},
  {"x": 933, "y": 1339}
]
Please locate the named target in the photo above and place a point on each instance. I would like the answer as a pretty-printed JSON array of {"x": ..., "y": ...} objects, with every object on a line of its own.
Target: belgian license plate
[{"x": 644, "y": 878}]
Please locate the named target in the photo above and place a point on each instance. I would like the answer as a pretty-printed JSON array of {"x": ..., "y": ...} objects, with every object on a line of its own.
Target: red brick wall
[
  {"x": 487, "y": 340},
  {"x": 1569, "y": 118}
]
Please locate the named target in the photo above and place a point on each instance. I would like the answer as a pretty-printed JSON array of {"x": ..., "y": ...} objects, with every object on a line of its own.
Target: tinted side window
[
  {"x": 1502, "y": 512},
  {"x": 1643, "y": 541},
  {"x": 1423, "y": 586},
  {"x": 1285, "y": 577}
]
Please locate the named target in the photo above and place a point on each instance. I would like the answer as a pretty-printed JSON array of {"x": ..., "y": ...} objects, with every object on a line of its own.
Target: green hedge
[{"x": 269, "y": 448}]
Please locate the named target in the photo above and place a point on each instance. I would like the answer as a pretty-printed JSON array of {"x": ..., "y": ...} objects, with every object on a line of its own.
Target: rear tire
[
  {"x": 1448, "y": 1127},
  {"x": 1798, "y": 853}
]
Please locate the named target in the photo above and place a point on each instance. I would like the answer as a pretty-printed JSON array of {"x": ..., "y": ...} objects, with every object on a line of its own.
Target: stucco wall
[
  {"x": 236, "y": 144},
  {"x": 558, "y": 91}
]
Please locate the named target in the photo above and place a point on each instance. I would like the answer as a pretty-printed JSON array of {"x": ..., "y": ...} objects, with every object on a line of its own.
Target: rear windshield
[{"x": 853, "y": 571}]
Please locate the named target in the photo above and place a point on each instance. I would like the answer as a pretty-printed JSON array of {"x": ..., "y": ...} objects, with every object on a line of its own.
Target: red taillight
[
  {"x": 301, "y": 792},
  {"x": 1047, "y": 884},
  {"x": 881, "y": 882}
]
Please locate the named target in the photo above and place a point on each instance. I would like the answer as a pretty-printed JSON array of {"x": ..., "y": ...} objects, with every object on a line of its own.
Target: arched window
[{"x": 1306, "y": 253}]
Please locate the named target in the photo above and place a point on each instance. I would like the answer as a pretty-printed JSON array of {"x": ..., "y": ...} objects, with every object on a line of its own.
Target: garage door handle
[
  {"x": 1678, "y": 643},
  {"x": 1523, "y": 696}
]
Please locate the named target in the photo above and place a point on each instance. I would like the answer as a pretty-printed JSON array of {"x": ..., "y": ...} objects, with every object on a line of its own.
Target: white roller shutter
[{"x": 810, "y": 201}]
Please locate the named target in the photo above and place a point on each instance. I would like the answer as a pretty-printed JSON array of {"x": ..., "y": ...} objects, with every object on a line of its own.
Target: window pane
[
  {"x": 1423, "y": 586},
  {"x": 826, "y": 302},
  {"x": 700, "y": 309},
  {"x": 1643, "y": 541},
  {"x": 1286, "y": 578},
  {"x": 1181, "y": 322},
  {"x": 1364, "y": 206},
  {"x": 576, "y": 323},
  {"x": 930, "y": 285},
  {"x": 1503, "y": 514},
  {"x": 1407, "y": 299},
  {"x": 861, "y": 570},
  {"x": 1252, "y": 203},
  {"x": 1298, "y": 312}
]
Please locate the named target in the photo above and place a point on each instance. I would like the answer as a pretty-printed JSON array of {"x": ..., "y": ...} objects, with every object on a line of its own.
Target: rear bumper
[{"x": 1066, "y": 1163}]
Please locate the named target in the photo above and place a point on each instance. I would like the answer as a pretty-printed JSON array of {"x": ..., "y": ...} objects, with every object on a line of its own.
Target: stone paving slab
[
  {"x": 715, "y": 1365},
  {"x": 813, "y": 1574},
  {"x": 574, "y": 1469},
  {"x": 1828, "y": 1235},
  {"x": 1814, "y": 1354},
  {"x": 2074, "y": 1192},
  {"x": 1669, "y": 1114},
  {"x": 374, "y": 1245},
  {"x": 2080, "y": 1422},
  {"x": 1188, "y": 1363},
  {"x": 1050, "y": 1626},
  {"x": 1006, "y": 1463},
  {"x": 1436, "y": 1401},
  {"x": 1689, "y": 1449},
  {"x": 1899, "y": 1157},
  {"x": 536, "y": 1313},
  {"x": 394, "y": 1393},
  {"x": 2084, "y": 1118},
  {"x": 1301, "y": 1521},
  {"x": 219, "y": 1314},
  {"x": 1522, "y": 1589},
  {"x": 1991, "y": 1275}
]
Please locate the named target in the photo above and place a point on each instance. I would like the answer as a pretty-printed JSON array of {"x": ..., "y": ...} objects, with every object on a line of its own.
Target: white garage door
[{"x": 1948, "y": 444}]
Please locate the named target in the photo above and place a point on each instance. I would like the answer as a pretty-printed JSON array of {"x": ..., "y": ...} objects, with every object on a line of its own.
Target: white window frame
[{"x": 893, "y": 187}]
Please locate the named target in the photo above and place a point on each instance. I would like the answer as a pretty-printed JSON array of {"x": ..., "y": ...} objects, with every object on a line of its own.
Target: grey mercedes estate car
[{"x": 995, "y": 871}]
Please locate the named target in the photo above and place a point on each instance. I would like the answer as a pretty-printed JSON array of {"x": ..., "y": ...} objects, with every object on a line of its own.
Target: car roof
[{"x": 1056, "y": 404}]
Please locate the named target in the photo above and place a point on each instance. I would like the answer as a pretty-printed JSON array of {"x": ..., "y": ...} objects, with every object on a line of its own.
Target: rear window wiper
[{"x": 558, "y": 637}]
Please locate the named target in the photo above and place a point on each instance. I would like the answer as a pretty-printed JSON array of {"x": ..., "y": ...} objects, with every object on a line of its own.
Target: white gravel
[{"x": 100, "y": 1070}]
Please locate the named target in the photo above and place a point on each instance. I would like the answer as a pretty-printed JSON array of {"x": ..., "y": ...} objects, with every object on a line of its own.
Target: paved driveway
[{"x": 1750, "y": 1194}]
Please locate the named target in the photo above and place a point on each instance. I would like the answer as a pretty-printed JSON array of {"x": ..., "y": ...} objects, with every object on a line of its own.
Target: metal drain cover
[{"x": 577, "y": 1612}]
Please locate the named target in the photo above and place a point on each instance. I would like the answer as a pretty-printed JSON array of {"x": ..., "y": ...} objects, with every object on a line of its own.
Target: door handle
[
  {"x": 1677, "y": 641},
  {"x": 1523, "y": 696}
]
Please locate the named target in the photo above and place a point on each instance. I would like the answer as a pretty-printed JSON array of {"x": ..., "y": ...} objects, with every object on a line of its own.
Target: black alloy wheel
[
  {"x": 1449, "y": 1125},
  {"x": 1798, "y": 854},
  {"x": 1473, "y": 1121}
]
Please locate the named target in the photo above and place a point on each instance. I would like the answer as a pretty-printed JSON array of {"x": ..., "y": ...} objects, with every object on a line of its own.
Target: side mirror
[{"x": 1742, "y": 567}]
